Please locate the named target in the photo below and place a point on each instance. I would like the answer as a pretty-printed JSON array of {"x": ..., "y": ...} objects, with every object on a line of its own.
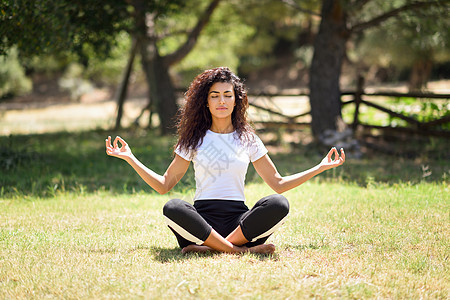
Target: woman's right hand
[{"x": 123, "y": 152}]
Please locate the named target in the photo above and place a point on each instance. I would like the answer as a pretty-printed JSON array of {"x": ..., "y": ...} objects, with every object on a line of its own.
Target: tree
[
  {"x": 46, "y": 26},
  {"x": 418, "y": 39},
  {"x": 281, "y": 39},
  {"x": 340, "y": 20},
  {"x": 55, "y": 26},
  {"x": 155, "y": 66}
]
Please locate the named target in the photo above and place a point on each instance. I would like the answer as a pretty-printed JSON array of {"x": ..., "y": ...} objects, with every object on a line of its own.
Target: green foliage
[
  {"x": 109, "y": 71},
  {"x": 56, "y": 26},
  {"x": 422, "y": 111},
  {"x": 278, "y": 31},
  {"x": 72, "y": 81},
  {"x": 244, "y": 35},
  {"x": 13, "y": 80},
  {"x": 414, "y": 36},
  {"x": 219, "y": 45},
  {"x": 48, "y": 64}
]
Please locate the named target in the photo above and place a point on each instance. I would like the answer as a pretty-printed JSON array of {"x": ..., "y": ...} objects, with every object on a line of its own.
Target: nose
[{"x": 221, "y": 99}]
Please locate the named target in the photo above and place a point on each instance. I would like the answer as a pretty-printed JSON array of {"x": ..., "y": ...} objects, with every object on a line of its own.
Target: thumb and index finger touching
[
  {"x": 336, "y": 154},
  {"x": 115, "y": 142}
]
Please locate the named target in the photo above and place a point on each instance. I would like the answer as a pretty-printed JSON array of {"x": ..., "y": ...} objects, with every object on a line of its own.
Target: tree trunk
[
  {"x": 420, "y": 74},
  {"x": 325, "y": 71},
  {"x": 122, "y": 94},
  {"x": 162, "y": 92}
]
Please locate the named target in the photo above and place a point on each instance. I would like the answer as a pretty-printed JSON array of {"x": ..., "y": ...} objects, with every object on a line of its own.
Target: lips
[{"x": 221, "y": 108}]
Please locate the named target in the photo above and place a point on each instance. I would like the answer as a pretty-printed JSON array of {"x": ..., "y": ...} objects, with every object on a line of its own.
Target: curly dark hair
[{"x": 195, "y": 118}]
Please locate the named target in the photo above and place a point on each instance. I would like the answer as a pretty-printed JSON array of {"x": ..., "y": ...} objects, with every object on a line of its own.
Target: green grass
[
  {"x": 46, "y": 164},
  {"x": 75, "y": 223}
]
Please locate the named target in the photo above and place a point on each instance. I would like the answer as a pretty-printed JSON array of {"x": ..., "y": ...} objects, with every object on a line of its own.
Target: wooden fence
[{"x": 359, "y": 98}]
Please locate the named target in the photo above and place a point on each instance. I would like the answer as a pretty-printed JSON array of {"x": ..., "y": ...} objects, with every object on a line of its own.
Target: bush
[{"x": 13, "y": 81}]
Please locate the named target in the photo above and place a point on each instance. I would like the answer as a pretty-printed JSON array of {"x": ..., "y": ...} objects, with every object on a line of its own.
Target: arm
[
  {"x": 268, "y": 172},
  {"x": 161, "y": 184}
]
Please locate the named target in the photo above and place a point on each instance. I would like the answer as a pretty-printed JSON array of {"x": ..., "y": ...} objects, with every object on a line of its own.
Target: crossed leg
[
  {"x": 232, "y": 244},
  {"x": 194, "y": 234}
]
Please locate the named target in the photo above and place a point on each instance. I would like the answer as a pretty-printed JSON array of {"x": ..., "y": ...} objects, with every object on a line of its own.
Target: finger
[
  {"x": 336, "y": 154},
  {"x": 328, "y": 157},
  {"x": 330, "y": 154},
  {"x": 122, "y": 141},
  {"x": 342, "y": 154},
  {"x": 115, "y": 142},
  {"x": 108, "y": 142}
]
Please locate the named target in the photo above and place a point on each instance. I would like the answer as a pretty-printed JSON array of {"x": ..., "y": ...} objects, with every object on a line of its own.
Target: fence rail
[{"x": 360, "y": 98}]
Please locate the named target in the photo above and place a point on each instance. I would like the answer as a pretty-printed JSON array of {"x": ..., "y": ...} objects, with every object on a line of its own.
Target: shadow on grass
[
  {"x": 167, "y": 255},
  {"x": 44, "y": 165}
]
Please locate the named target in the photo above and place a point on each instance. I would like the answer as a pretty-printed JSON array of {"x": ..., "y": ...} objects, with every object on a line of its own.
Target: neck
[{"x": 222, "y": 126}]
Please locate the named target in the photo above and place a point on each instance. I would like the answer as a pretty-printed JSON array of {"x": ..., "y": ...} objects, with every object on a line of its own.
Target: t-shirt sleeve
[
  {"x": 257, "y": 149},
  {"x": 185, "y": 154}
]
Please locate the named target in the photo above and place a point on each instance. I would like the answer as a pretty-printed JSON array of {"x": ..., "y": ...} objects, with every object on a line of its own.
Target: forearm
[
  {"x": 286, "y": 183},
  {"x": 156, "y": 181},
  {"x": 267, "y": 170}
]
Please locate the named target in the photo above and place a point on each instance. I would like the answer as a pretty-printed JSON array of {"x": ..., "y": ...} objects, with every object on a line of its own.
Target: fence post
[{"x": 358, "y": 93}]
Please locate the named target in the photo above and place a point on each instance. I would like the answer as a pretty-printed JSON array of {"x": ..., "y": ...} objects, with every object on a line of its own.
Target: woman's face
[{"x": 221, "y": 100}]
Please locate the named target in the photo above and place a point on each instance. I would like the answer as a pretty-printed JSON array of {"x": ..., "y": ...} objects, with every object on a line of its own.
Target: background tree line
[{"x": 174, "y": 40}]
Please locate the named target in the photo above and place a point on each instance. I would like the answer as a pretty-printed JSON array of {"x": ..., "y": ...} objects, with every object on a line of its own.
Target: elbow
[
  {"x": 160, "y": 188},
  {"x": 280, "y": 186},
  {"x": 279, "y": 189},
  {"x": 163, "y": 191}
]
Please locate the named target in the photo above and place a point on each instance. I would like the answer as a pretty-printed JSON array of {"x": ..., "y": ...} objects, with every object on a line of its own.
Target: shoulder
[{"x": 254, "y": 140}]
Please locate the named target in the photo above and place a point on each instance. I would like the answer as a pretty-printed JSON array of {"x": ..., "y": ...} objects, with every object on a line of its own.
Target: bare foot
[
  {"x": 196, "y": 248},
  {"x": 262, "y": 249}
]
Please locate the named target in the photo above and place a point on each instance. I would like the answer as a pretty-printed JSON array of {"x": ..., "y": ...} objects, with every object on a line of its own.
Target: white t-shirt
[{"x": 221, "y": 163}]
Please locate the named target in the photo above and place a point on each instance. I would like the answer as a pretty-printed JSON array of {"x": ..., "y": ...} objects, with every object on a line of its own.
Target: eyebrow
[{"x": 216, "y": 92}]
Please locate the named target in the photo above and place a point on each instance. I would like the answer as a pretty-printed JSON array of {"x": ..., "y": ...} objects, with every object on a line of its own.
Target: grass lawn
[{"x": 75, "y": 223}]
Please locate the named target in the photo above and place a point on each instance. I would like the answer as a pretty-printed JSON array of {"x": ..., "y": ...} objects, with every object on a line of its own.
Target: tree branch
[
  {"x": 393, "y": 13},
  {"x": 168, "y": 33},
  {"x": 184, "y": 49},
  {"x": 293, "y": 4}
]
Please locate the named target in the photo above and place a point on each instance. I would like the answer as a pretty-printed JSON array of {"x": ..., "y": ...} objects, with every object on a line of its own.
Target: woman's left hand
[{"x": 328, "y": 162}]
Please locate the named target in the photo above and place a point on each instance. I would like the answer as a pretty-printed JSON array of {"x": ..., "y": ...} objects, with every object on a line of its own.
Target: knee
[
  {"x": 279, "y": 205},
  {"x": 172, "y": 208}
]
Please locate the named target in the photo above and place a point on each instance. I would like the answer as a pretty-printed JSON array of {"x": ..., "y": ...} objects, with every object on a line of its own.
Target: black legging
[{"x": 192, "y": 224}]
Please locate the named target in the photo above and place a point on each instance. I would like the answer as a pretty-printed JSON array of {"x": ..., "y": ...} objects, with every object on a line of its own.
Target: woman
[{"x": 214, "y": 134}]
